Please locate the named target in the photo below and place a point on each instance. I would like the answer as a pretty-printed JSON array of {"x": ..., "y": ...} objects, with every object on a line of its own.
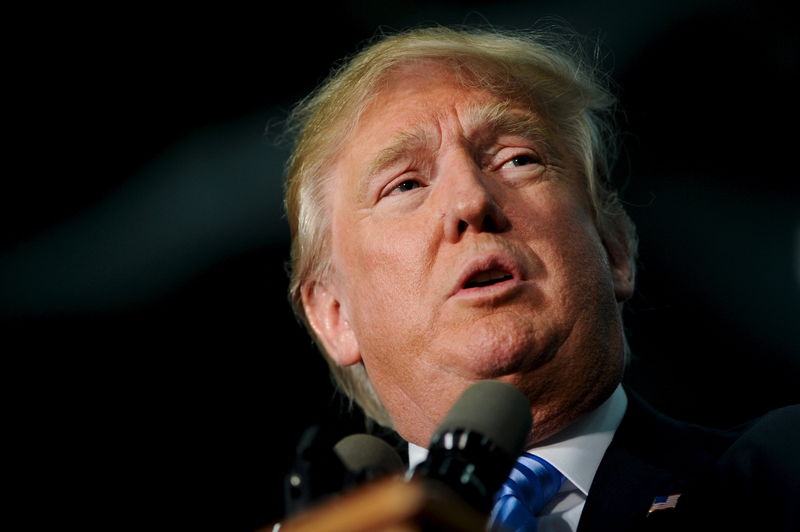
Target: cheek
[
  {"x": 383, "y": 272},
  {"x": 583, "y": 261},
  {"x": 562, "y": 232},
  {"x": 552, "y": 214},
  {"x": 377, "y": 262}
]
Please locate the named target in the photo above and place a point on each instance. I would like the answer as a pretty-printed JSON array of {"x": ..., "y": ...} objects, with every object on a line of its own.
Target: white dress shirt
[{"x": 576, "y": 452}]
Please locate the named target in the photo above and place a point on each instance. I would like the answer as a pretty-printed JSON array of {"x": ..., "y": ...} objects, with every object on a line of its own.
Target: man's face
[{"x": 464, "y": 248}]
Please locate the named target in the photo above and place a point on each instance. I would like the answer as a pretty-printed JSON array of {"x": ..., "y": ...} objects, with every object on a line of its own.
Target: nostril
[{"x": 489, "y": 224}]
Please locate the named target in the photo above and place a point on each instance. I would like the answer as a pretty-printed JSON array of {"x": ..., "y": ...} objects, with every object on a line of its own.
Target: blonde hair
[{"x": 543, "y": 68}]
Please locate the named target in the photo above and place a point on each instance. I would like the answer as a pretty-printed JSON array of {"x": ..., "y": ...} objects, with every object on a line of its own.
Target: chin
[{"x": 501, "y": 351}]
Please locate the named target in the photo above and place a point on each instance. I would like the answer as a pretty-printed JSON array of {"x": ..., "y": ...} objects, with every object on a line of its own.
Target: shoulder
[
  {"x": 670, "y": 443},
  {"x": 747, "y": 474},
  {"x": 762, "y": 467},
  {"x": 755, "y": 481},
  {"x": 768, "y": 438},
  {"x": 766, "y": 445}
]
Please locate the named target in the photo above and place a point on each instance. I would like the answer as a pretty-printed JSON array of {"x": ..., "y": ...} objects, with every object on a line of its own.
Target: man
[{"x": 453, "y": 222}]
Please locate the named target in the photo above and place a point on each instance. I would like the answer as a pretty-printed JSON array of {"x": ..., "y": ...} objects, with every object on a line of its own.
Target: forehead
[
  {"x": 417, "y": 103},
  {"x": 428, "y": 90}
]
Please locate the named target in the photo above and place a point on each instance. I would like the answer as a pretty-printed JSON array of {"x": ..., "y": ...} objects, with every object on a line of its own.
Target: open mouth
[{"x": 487, "y": 278}]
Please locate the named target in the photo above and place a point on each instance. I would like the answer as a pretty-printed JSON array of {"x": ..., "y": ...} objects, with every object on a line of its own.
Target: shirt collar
[{"x": 575, "y": 451}]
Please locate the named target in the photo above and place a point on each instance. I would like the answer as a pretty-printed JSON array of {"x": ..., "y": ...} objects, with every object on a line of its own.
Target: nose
[{"x": 469, "y": 204}]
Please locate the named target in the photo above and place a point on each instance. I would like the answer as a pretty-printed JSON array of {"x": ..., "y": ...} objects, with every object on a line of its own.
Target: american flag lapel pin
[{"x": 663, "y": 502}]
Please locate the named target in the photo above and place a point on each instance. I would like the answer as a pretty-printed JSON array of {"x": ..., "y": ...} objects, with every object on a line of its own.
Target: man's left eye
[
  {"x": 521, "y": 160},
  {"x": 406, "y": 185}
]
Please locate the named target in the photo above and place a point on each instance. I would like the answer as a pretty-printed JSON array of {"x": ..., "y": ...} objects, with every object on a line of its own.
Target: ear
[
  {"x": 621, "y": 261},
  {"x": 328, "y": 319}
]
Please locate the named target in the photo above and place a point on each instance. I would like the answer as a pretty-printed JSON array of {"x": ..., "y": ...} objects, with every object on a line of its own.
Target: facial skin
[{"x": 464, "y": 248}]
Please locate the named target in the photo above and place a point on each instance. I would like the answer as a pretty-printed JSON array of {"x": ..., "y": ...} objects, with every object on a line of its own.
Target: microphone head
[
  {"x": 367, "y": 456},
  {"x": 475, "y": 447},
  {"x": 496, "y": 410}
]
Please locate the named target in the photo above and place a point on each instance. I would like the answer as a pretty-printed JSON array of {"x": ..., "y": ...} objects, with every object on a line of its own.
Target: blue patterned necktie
[{"x": 530, "y": 486}]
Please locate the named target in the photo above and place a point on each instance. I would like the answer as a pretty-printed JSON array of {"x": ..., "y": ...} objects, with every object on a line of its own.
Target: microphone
[
  {"x": 367, "y": 457},
  {"x": 475, "y": 447},
  {"x": 323, "y": 469},
  {"x": 470, "y": 455}
]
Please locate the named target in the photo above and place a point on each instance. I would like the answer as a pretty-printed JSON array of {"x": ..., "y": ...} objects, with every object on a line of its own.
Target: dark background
[{"x": 153, "y": 372}]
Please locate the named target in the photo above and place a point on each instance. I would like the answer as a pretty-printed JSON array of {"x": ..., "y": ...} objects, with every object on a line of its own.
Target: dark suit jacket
[{"x": 743, "y": 479}]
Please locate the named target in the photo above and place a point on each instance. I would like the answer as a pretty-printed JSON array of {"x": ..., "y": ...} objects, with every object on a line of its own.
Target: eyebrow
[
  {"x": 502, "y": 118},
  {"x": 483, "y": 121},
  {"x": 401, "y": 144}
]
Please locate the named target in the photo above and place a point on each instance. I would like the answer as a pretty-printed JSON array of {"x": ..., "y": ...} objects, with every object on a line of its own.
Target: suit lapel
[{"x": 650, "y": 456}]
